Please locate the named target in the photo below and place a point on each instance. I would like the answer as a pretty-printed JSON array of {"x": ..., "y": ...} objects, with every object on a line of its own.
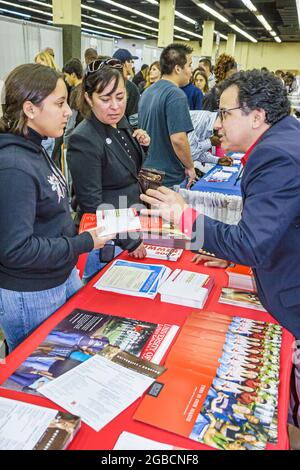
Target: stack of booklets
[
  {"x": 163, "y": 252},
  {"x": 29, "y": 427},
  {"x": 186, "y": 288},
  {"x": 130, "y": 278},
  {"x": 82, "y": 335},
  {"x": 221, "y": 383},
  {"x": 241, "y": 277},
  {"x": 241, "y": 298}
]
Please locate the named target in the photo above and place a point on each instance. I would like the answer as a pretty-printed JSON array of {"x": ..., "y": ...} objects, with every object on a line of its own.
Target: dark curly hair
[
  {"x": 224, "y": 64},
  {"x": 260, "y": 90}
]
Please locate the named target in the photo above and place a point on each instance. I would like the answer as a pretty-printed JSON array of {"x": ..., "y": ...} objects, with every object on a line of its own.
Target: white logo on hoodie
[{"x": 57, "y": 186}]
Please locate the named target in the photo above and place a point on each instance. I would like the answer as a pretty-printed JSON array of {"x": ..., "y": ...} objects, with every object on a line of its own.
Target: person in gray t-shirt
[{"x": 164, "y": 114}]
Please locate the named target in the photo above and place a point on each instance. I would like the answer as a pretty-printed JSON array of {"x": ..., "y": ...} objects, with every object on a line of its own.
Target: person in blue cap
[{"x": 133, "y": 94}]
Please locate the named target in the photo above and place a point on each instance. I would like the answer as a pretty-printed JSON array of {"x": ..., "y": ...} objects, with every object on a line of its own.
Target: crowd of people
[{"x": 113, "y": 123}]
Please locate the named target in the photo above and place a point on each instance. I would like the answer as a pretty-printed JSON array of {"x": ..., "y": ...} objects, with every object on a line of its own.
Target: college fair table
[{"x": 155, "y": 311}]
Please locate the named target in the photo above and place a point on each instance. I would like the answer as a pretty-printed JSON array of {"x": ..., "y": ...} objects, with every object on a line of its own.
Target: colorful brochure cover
[
  {"x": 79, "y": 337},
  {"x": 221, "y": 384}
]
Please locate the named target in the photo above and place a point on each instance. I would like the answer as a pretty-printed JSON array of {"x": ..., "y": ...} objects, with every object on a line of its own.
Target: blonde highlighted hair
[{"x": 46, "y": 59}]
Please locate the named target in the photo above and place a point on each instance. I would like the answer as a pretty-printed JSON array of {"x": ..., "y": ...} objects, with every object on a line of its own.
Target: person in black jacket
[
  {"x": 39, "y": 247},
  {"x": 104, "y": 156}
]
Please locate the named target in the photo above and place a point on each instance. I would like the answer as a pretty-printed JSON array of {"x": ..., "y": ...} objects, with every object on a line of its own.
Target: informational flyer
[
  {"x": 98, "y": 390},
  {"x": 22, "y": 424}
]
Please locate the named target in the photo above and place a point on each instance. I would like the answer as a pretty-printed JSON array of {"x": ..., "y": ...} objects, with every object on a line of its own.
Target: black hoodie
[{"x": 38, "y": 242}]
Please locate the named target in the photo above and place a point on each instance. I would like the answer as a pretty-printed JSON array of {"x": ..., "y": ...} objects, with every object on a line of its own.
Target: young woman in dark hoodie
[{"x": 39, "y": 247}]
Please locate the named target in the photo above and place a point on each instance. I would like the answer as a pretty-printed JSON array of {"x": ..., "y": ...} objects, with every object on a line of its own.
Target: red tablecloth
[{"x": 158, "y": 312}]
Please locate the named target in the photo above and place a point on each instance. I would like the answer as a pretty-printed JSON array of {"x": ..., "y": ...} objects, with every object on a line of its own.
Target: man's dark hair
[
  {"x": 74, "y": 66},
  {"x": 172, "y": 55},
  {"x": 144, "y": 67},
  {"x": 90, "y": 55},
  {"x": 260, "y": 90},
  {"x": 207, "y": 62}
]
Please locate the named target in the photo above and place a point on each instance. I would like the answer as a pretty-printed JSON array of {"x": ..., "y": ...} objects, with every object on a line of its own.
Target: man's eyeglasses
[
  {"x": 222, "y": 112},
  {"x": 98, "y": 64}
]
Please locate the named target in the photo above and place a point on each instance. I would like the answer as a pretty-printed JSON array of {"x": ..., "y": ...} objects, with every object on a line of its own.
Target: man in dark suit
[{"x": 254, "y": 118}]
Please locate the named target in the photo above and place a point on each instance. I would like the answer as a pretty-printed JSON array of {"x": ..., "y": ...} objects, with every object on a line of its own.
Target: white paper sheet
[
  {"x": 22, "y": 424},
  {"x": 97, "y": 390},
  {"x": 129, "y": 441}
]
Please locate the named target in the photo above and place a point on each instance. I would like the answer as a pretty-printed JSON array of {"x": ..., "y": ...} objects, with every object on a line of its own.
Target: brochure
[
  {"x": 118, "y": 221},
  {"x": 221, "y": 383},
  {"x": 131, "y": 278},
  {"x": 152, "y": 227},
  {"x": 163, "y": 252},
  {"x": 80, "y": 336},
  {"x": 241, "y": 277},
  {"x": 98, "y": 390},
  {"x": 186, "y": 288},
  {"x": 24, "y": 426},
  {"x": 241, "y": 298}
]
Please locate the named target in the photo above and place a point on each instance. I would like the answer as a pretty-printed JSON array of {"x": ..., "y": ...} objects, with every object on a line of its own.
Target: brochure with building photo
[{"x": 80, "y": 336}]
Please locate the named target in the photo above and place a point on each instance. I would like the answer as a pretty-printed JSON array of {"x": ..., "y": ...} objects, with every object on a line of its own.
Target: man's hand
[
  {"x": 210, "y": 261},
  {"x": 165, "y": 203},
  {"x": 99, "y": 241},
  {"x": 142, "y": 137},
  {"x": 215, "y": 141},
  {"x": 191, "y": 173},
  {"x": 225, "y": 161},
  {"x": 139, "y": 253}
]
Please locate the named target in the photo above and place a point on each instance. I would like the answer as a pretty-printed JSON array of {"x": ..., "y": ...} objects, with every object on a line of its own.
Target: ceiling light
[
  {"x": 176, "y": 28},
  {"x": 154, "y": 2},
  {"x": 115, "y": 31},
  {"x": 249, "y": 5},
  {"x": 26, "y": 8},
  {"x": 239, "y": 30},
  {"x": 42, "y": 4},
  {"x": 23, "y": 15},
  {"x": 98, "y": 33},
  {"x": 221, "y": 35},
  {"x": 132, "y": 10},
  {"x": 264, "y": 22},
  {"x": 185, "y": 18},
  {"x": 181, "y": 38},
  {"x": 100, "y": 12},
  {"x": 212, "y": 11},
  {"x": 98, "y": 20},
  {"x": 298, "y": 10},
  {"x": 260, "y": 17}
]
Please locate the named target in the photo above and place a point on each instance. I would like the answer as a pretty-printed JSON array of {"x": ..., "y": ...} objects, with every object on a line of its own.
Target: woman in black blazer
[{"x": 104, "y": 154}]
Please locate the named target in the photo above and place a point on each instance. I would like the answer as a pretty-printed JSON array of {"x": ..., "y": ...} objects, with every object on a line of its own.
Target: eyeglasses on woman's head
[{"x": 98, "y": 64}]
